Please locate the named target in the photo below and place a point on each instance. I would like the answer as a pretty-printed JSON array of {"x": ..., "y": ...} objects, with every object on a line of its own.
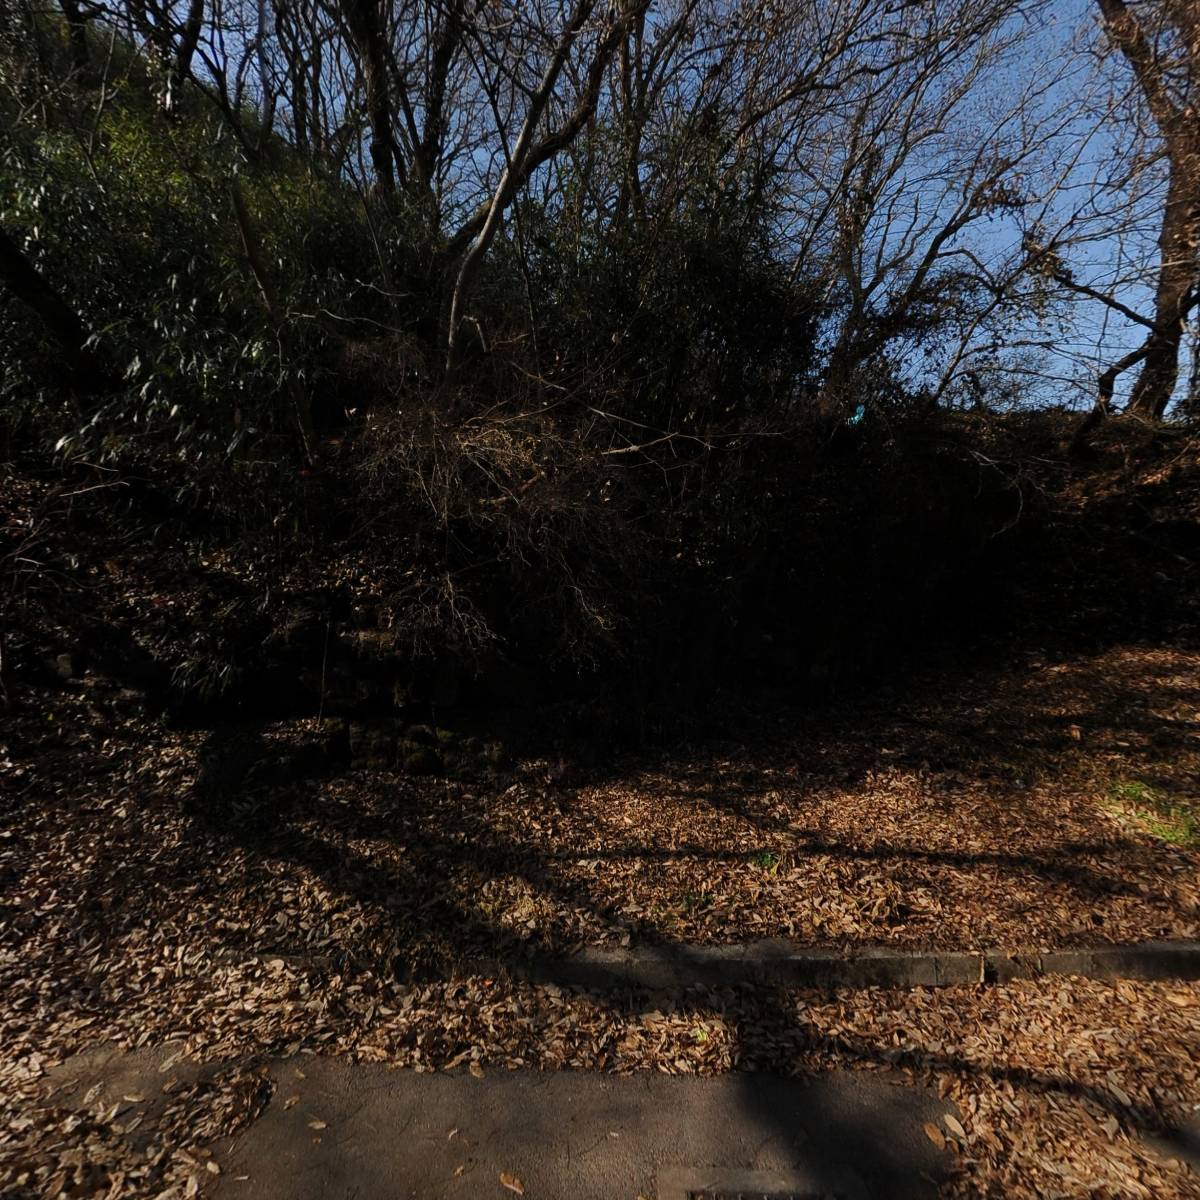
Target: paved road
[
  {"x": 339, "y": 1131},
  {"x": 571, "y": 1136}
]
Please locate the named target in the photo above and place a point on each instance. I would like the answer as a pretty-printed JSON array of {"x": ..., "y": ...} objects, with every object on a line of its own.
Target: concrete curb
[{"x": 680, "y": 966}]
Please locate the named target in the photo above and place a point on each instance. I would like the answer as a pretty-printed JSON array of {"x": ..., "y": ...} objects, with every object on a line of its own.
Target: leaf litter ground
[{"x": 1045, "y": 804}]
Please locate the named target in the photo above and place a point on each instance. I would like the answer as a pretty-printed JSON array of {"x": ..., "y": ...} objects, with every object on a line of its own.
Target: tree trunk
[
  {"x": 366, "y": 30},
  {"x": 179, "y": 61},
  {"x": 428, "y": 151},
  {"x": 1192, "y": 400},
  {"x": 1177, "y": 271},
  {"x": 1179, "y": 240},
  {"x": 77, "y": 39},
  {"x": 527, "y": 156}
]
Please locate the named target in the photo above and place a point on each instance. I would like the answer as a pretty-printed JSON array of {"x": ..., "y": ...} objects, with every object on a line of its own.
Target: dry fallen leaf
[
  {"x": 955, "y": 1126},
  {"x": 476, "y": 1070},
  {"x": 512, "y": 1182},
  {"x": 317, "y": 1125},
  {"x": 1028, "y": 1140},
  {"x": 935, "y": 1135}
]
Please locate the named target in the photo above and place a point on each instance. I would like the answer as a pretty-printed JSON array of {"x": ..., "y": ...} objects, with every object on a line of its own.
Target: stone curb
[{"x": 668, "y": 968}]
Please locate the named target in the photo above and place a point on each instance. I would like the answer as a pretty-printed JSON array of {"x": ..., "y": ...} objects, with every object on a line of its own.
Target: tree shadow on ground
[
  {"x": 425, "y": 868},
  {"x": 1020, "y": 716},
  {"x": 284, "y": 826},
  {"x": 422, "y": 894}
]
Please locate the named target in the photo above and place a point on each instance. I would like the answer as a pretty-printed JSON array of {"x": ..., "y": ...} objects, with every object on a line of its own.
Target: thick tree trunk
[
  {"x": 1192, "y": 400},
  {"x": 1178, "y": 244},
  {"x": 1179, "y": 240},
  {"x": 300, "y": 112},
  {"x": 77, "y": 39},
  {"x": 179, "y": 63},
  {"x": 366, "y": 29},
  {"x": 427, "y": 153}
]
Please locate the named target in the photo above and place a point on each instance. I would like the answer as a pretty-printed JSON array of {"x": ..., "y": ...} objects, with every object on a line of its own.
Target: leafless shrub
[{"x": 509, "y": 515}]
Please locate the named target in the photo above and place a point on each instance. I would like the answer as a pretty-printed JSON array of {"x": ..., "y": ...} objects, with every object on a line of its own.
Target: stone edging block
[{"x": 674, "y": 967}]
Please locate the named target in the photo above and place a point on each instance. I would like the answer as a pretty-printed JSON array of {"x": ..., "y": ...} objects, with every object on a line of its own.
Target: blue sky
[
  {"x": 1066, "y": 352},
  {"x": 1114, "y": 255}
]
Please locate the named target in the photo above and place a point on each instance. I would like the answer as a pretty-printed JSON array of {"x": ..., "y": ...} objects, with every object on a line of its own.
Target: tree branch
[
  {"x": 1127, "y": 35},
  {"x": 526, "y": 158}
]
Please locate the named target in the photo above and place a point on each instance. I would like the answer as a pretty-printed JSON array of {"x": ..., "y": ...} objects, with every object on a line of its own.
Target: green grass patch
[
  {"x": 1158, "y": 812},
  {"x": 765, "y": 860},
  {"x": 692, "y": 902}
]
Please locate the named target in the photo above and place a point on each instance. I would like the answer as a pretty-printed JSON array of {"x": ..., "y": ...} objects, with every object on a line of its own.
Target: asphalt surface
[
  {"x": 336, "y": 1130},
  {"x": 570, "y": 1136}
]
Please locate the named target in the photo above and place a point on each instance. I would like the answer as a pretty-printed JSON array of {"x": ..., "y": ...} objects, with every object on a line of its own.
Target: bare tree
[
  {"x": 529, "y": 152},
  {"x": 367, "y": 24},
  {"x": 1165, "y": 60},
  {"x": 172, "y": 37},
  {"x": 869, "y": 142}
]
